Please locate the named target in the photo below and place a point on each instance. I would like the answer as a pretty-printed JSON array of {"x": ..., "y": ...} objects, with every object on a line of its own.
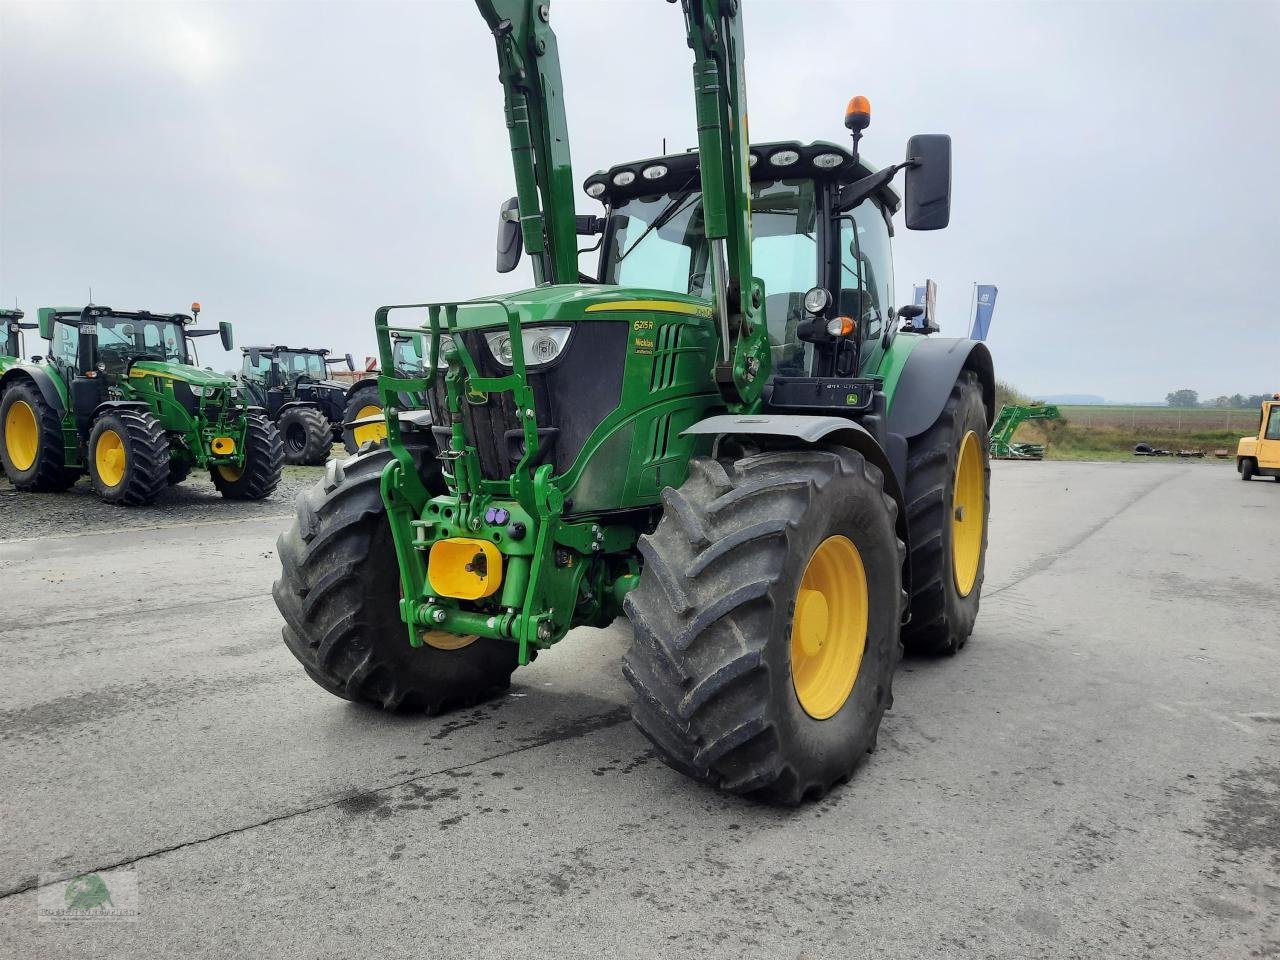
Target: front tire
[
  {"x": 948, "y": 499},
  {"x": 31, "y": 450},
  {"x": 766, "y": 622},
  {"x": 307, "y": 436},
  {"x": 128, "y": 457},
  {"x": 363, "y": 402},
  {"x": 263, "y": 463},
  {"x": 1248, "y": 468},
  {"x": 339, "y": 592}
]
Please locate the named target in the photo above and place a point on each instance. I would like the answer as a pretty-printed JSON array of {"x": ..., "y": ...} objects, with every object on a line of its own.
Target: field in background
[
  {"x": 1110, "y": 433},
  {"x": 1168, "y": 421}
]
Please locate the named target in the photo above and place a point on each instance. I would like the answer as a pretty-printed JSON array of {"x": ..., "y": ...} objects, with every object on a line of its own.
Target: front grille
[{"x": 572, "y": 394}]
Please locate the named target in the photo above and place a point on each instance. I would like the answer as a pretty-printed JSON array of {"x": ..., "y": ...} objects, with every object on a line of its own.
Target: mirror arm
[{"x": 854, "y": 193}]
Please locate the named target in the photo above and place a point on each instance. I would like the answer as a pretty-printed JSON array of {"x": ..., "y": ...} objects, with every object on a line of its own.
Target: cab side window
[
  {"x": 65, "y": 343},
  {"x": 1273, "y": 424},
  {"x": 867, "y": 262}
]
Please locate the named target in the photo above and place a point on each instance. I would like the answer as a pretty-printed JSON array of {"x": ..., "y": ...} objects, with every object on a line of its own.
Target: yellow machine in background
[{"x": 1260, "y": 456}]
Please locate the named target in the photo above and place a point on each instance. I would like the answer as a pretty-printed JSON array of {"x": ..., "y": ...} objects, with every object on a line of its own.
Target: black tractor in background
[{"x": 309, "y": 409}]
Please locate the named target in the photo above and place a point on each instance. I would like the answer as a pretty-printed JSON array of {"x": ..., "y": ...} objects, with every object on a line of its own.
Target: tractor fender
[
  {"x": 108, "y": 405},
  {"x": 43, "y": 381},
  {"x": 294, "y": 404},
  {"x": 926, "y": 381},
  {"x": 359, "y": 384},
  {"x": 812, "y": 430}
]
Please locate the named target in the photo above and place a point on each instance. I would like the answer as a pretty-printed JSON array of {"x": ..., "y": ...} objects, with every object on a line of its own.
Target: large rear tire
[
  {"x": 948, "y": 505},
  {"x": 363, "y": 402},
  {"x": 766, "y": 622},
  {"x": 31, "y": 450},
  {"x": 128, "y": 457},
  {"x": 307, "y": 436},
  {"x": 263, "y": 463},
  {"x": 339, "y": 593}
]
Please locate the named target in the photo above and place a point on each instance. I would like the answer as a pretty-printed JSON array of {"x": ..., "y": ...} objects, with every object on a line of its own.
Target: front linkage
[{"x": 491, "y": 558}]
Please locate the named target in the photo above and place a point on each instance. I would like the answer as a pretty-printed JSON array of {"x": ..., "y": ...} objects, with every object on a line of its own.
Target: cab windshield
[
  {"x": 296, "y": 364},
  {"x": 136, "y": 338},
  {"x": 659, "y": 242}
]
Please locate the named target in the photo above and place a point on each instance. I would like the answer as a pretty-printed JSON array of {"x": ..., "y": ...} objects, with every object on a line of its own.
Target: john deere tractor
[
  {"x": 120, "y": 397},
  {"x": 292, "y": 385},
  {"x": 724, "y": 434}
]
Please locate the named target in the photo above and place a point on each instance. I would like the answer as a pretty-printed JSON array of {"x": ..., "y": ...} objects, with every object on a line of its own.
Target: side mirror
[
  {"x": 928, "y": 193},
  {"x": 351, "y": 364},
  {"x": 510, "y": 236},
  {"x": 227, "y": 337},
  {"x": 87, "y": 348},
  {"x": 44, "y": 319},
  {"x": 255, "y": 356}
]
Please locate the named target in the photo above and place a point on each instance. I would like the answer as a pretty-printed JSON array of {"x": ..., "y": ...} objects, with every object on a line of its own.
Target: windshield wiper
[{"x": 665, "y": 216}]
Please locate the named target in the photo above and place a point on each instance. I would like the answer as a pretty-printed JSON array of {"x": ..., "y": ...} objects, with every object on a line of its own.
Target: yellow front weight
[
  {"x": 464, "y": 568},
  {"x": 223, "y": 446}
]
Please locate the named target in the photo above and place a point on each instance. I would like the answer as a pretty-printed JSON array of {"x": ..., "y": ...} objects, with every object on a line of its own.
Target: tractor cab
[
  {"x": 821, "y": 224},
  {"x": 278, "y": 375},
  {"x": 11, "y": 327},
  {"x": 100, "y": 343}
]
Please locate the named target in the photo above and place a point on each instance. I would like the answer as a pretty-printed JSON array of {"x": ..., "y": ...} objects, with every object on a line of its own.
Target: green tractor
[
  {"x": 727, "y": 434},
  {"x": 292, "y": 385},
  {"x": 120, "y": 397},
  {"x": 1012, "y": 416}
]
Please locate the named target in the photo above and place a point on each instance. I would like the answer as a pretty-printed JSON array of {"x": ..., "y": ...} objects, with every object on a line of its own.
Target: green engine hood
[
  {"x": 572, "y": 302},
  {"x": 195, "y": 376}
]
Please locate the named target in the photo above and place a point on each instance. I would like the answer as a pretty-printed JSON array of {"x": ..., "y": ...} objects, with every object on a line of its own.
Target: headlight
[
  {"x": 541, "y": 345},
  {"x": 828, "y": 161},
  {"x": 446, "y": 344},
  {"x": 200, "y": 391},
  {"x": 784, "y": 158}
]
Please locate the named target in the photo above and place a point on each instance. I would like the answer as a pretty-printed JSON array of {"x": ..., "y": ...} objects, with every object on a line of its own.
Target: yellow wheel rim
[
  {"x": 21, "y": 435},
  {"x": 443, "y": 640},
  {"x": 230, "y": 474},
  {"x": 829, "y": 630},
  {"x": 969, "y": 509},
  {"x": 376, "y": 432},
  {"x": 109, "y": 458}
]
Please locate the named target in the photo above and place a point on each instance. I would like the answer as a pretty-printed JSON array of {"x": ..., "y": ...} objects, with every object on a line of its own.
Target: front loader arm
[
  {"x": 529, "y": 70},
  {"x": 715, "y": 35}
]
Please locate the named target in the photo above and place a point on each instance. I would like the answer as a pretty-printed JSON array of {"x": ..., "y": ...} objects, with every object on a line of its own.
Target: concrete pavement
[{"x": 1097, "y": 774}]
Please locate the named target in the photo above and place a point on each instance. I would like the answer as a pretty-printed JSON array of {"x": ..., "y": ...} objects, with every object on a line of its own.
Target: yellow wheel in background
[
  {"x": 229, "y": 474},
  {"x": 109, "y": 457},
  {"x": 829, "y": 629},
  {"x": 968, "y": 514},
  {"x": 376, "y": 432},
  {"x": 21, "y": 435}
]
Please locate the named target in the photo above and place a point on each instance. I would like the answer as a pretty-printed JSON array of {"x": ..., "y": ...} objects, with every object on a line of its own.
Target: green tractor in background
[
  {"x": 726, "y": 434},
  {"x": 120, "y": 397}
]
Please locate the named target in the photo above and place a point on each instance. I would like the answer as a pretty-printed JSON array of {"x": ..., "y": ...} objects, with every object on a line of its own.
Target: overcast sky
[{"x": 295, "y": 165}]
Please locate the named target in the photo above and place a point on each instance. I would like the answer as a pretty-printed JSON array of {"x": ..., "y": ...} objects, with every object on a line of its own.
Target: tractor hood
[
  {"x": 576, "y": 302},
  {"x": 195, "y": 376}
]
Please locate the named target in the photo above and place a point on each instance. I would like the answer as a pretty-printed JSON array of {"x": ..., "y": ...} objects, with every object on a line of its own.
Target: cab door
[{"x": 1269, "y": 438}]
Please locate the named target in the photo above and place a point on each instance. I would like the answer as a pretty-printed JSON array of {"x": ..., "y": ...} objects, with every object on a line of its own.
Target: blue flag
[{"x": 986, "y": 306}]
